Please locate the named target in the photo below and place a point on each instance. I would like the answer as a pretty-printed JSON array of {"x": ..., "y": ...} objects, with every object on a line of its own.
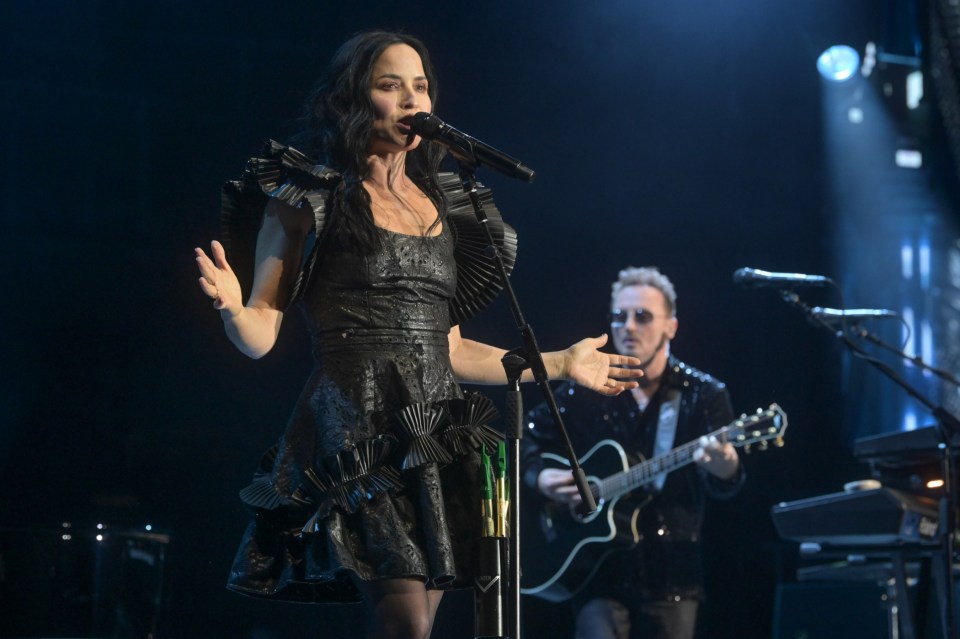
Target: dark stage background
[{"x": 685, "y": 135}]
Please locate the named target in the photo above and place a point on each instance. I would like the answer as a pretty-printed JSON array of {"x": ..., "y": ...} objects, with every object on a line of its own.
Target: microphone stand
[
  {"x": 947, "y": 426},
  {"x": 514, "y": 363},
  {"x": 916, "y": 360}
]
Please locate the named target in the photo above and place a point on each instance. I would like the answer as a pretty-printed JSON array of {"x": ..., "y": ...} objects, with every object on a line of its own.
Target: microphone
[
  {"x": 466, "y": 148},
  {"x": 837, "y": 314},
  {"x": 756, "y": 277}
]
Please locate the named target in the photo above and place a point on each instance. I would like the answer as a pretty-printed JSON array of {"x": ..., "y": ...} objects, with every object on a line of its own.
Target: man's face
[{"x": 640, "y": 322}]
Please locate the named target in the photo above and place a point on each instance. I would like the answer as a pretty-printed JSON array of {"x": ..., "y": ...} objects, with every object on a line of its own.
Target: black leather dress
[{"x": 376, "y": 474}]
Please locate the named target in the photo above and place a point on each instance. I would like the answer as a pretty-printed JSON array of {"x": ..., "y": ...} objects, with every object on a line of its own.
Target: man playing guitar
[{"x": 653, "y": 588}]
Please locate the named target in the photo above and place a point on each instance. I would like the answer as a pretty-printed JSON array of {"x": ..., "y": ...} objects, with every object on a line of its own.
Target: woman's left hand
[{"x": 601, "y": 372}]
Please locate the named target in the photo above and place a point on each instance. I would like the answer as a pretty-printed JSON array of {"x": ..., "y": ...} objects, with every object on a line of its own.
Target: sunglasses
[{"x": 620, "y": 316}]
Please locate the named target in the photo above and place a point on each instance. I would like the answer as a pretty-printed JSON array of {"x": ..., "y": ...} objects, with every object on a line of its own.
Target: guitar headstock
[{"x": 762, "y": 427}]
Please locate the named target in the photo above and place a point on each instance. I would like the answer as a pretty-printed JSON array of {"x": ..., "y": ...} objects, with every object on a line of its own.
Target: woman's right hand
[{"x": 218, "y": 281}]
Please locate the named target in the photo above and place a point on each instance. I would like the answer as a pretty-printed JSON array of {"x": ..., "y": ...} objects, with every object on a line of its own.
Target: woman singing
[{"x": 372, "y": 492}]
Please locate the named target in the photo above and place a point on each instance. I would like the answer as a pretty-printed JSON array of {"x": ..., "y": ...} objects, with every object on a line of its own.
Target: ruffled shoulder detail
[
  {"x": 478, "y": 281},
  {"x": 284, "y": 173}
]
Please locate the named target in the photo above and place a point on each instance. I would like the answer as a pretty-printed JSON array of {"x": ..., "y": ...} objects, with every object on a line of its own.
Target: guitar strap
[{"x": 666, "y": 430}]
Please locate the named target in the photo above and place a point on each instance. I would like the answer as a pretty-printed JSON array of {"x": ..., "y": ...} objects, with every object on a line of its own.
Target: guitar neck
[
  {"x": 759, "y": 428},
  {"x": 646, "y": 472}
]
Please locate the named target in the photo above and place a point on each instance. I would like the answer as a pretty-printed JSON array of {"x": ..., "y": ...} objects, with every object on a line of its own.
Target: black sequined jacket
[{"x": 667, "y": 562}]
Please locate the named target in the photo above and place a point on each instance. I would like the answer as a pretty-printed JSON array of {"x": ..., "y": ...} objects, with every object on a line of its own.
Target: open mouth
[{"x": 404, "y": 124}]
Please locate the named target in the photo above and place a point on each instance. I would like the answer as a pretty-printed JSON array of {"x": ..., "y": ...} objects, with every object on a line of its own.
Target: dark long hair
[{"x": 338, "y": 125}]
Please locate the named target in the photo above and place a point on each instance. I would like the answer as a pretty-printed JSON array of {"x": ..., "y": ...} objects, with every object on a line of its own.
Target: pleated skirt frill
[{"x": 377, "y": 476}]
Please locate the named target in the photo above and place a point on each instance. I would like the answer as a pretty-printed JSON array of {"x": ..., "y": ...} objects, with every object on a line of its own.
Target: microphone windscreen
[{"x": 425, "y": 124}]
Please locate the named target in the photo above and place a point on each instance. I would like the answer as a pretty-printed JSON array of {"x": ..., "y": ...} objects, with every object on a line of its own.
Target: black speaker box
[{"x": 830, "y": 611}]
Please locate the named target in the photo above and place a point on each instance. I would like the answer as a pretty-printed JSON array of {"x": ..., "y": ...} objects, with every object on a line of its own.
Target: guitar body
[{"x": 562, "y": 550}]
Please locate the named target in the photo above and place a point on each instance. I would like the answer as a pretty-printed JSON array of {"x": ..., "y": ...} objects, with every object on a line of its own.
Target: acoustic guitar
[{"x": 563, "y": 549}]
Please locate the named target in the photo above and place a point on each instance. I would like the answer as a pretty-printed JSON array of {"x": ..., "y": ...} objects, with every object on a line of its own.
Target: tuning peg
[
  {"x": 778, "y": 442},
  {"x": 763, "y": 445},
  {"x": 746, "y": 449}
]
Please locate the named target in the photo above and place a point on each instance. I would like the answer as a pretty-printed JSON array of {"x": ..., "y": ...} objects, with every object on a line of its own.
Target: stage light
[
  {"x": 914, "y": 89},
  {"x": 908, "y": 158},
  {"x": 839, "y": 63}
]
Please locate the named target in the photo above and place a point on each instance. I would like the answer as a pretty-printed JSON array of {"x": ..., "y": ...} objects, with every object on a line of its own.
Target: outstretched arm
[
  {"x": 478, "y": 363},
  {"x": 253, "y": 327}
]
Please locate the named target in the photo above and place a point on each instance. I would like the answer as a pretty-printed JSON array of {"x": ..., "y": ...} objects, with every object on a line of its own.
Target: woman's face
[{"x": 398, "y": 90}]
